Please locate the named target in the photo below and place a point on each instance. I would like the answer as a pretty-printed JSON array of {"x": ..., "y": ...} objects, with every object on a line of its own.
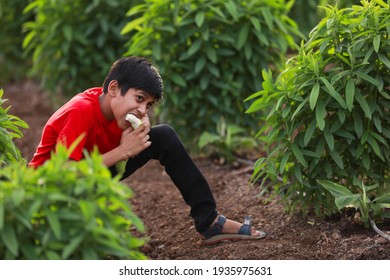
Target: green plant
[
  {"x": 307, "y": 13},
  {"x": 73, "y": 43},
  {"x": 228, "y": 143},
  {"x": 9, "y": 130},
  {"x": 66, "y": 210},
  {"x": 365, "y": 200},
  {"x": 13, "y": 65},
  {"x": 329, "y": 115},
  {"x": 209, "y": 53},
  {"x": 369, "y": 208}
]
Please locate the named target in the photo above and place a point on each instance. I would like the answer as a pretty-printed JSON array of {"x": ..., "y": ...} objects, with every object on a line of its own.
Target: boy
[{"x": 132, "y": 86}]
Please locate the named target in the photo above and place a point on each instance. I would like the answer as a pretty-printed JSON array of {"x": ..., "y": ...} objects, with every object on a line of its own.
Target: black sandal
[{"x": 214, "y": 233}]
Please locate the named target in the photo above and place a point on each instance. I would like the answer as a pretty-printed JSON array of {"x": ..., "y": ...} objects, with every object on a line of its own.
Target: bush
[
  {"x": 66, "y": 210},
  {"x": 73, "y": 43},
  {"x": 9, "y": 130},
  {"x": 13, "y": 65},
  {"x": 209, "y": 53},
  {"x": 329, "y": 118}
]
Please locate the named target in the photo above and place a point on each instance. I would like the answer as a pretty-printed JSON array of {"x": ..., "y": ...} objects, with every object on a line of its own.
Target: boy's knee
[{"x": 163, "y": 131}]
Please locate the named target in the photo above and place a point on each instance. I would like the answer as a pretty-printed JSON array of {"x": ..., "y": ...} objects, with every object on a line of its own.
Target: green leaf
[
  {"x": 309, "y": 132},
  {"x": 377, "y": 42},
  {"x": 384, "y": 59},
  {"x": 54, "y": 223},
  {"x": 211, "y": 54},
  {"x": 375, "y": 147},
  {"x": 177, "y": 79},
  {"x": 243, "y": 36},
  {"x": 369, "y": 79},
  {"x": 9, "y": 237},
  {"x": 207, "y": 138},
  {"x": 329, "y": 139},
  {"x": 333, "y": 92},
  {"x": 314, "y": 95},
  {"x": 377, "y": 123},
  {"x": 358, "y": 124},
  {"x": 320, "y": 114},
  {"x": 134, "y": 24},
  {"x": 194, "y": 48},
  {"x": 350, "y": 93},
  {"x": 366, "y": 161},
  {"x": 345, "y": 201},
  {"x": 231, "y": 7},
  {"x": 72, "y": 246},
  {"x": 199, "y": 18},
  {"x": 267, "y": 14},
  {"x": 298, "y": 155},
  {"x": 52, "y": 255},
  {"x": 298, "y": 173},
  {"x": 87, "y": 210},
  {"x": 363, "y": 104},
  {"x": 256, "y": 23},
  {"x": 334, "y": 188},
  {"x": 382, "y": 3},
  {"x": 337, "y": 159},
  {"x": 283, "y": 162},
  {"x": 200, "y": 63}
]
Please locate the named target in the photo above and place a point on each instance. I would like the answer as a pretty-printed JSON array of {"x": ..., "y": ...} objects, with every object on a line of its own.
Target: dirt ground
[{"x": 169, "y": 228}]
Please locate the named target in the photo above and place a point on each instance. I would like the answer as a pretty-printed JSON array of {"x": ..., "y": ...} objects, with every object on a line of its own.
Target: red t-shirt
[{"x": 82, "y": 114}]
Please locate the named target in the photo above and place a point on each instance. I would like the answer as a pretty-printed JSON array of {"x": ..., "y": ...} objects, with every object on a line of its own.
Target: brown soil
[{"x": 169, "y": 228}]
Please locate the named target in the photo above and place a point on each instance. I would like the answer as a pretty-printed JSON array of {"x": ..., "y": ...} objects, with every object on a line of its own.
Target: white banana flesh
[{"x": 135, "y": 122}]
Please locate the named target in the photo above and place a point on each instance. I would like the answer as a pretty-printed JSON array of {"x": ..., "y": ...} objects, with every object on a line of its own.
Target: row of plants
[
  {"x": 327, "y": 128},
  {"x": 63, "y": 209}
]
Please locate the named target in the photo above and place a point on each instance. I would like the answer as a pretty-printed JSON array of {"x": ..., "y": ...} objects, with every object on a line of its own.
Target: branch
[{"x": 378, "y": 231}]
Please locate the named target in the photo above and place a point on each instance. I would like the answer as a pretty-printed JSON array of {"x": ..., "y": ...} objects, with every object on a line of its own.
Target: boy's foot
[{"x": 224, "y": 229}]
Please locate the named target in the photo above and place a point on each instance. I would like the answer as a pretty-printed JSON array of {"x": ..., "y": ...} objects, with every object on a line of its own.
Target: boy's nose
[{"x": 142, "y": 110}]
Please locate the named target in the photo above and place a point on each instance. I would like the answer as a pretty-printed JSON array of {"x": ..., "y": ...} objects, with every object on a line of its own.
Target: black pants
[{"x": 169, "y": 150}]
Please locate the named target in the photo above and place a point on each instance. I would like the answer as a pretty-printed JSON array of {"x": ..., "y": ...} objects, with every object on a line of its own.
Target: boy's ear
[{"x": 113, "y": 87}]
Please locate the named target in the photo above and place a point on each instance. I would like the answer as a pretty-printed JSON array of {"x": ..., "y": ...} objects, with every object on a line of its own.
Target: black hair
[{"x": 135, "y": 72}]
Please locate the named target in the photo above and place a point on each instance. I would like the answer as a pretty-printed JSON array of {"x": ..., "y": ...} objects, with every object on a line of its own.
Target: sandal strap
[
  {"x": 216, "y": 228},
  {"x": 246, "y": 226}
]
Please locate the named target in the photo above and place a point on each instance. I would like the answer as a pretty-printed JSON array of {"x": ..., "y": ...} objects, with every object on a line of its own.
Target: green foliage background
[
  {"x": 73, "y": 43},
  {"x": 209, "y": 53}
]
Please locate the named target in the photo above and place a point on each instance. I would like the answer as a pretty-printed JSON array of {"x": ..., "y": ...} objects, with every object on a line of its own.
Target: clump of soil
[{"x": 169, "y": 229}]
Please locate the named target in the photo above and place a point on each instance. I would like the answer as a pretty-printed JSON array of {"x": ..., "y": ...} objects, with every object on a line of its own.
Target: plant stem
[{"x": 378, "y": 231}]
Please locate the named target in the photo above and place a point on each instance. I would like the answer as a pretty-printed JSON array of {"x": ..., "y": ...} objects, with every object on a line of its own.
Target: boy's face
[{"x": 135, "y": 102}]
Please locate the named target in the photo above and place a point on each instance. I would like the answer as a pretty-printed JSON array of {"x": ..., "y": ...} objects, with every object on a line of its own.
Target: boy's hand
[{"x": 135, "y": 141}]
